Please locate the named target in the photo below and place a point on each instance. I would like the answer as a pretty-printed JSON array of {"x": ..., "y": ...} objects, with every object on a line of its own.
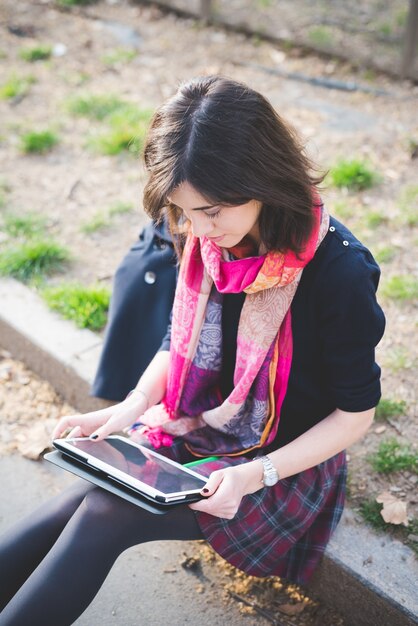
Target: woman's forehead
[{"x": 185, "y": 196}]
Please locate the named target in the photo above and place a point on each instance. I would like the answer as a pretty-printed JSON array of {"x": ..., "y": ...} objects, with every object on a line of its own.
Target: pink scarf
[{"x": 193, "y": 406}]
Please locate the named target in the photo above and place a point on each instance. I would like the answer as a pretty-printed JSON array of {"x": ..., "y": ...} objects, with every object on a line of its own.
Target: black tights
[{"x": 55, "y": 561}]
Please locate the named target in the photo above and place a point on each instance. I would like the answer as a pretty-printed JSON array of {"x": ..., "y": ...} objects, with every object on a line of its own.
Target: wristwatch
[{"x": 270, "y": 475}]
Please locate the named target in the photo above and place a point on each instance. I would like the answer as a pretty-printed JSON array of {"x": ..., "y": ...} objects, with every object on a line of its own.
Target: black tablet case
[{"x": 101, "y": 480}]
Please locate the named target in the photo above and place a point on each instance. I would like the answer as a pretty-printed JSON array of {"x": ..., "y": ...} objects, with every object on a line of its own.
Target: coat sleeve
[{"x": 352, "y": 324}]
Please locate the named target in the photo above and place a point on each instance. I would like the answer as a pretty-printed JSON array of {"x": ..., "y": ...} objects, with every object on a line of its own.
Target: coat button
[
  {"x": 332, "y": 228},
  {"x": 345, "y": 243},
  {"x": 150, "y": 278},
  {"x": 159, "y": 245}
]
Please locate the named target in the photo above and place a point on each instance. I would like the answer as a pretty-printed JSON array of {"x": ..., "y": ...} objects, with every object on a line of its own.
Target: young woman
[{"x": 269, "y": 364}]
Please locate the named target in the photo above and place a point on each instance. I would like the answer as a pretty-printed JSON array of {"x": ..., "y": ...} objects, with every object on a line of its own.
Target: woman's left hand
[{"x": 227, "y": 487}]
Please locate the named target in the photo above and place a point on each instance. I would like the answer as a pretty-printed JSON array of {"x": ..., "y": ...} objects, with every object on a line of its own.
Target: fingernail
[
  {"x": 94, "y": 437},
  {"x": 205, "y": 490}
]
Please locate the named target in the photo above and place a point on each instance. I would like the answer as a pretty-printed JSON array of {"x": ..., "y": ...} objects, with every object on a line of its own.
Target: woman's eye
[{"x": 212, "y": 216}]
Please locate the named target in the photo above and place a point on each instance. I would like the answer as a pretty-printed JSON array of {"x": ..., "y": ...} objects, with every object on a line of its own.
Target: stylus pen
[
  {"x": 200, "y": 461},
  {"x": 137, "y": 425},
  {"x": 134, "y": 426}
]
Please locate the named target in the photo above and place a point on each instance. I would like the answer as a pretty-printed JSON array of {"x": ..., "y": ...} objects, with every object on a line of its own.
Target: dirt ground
[
  {"x": 71, "y": 184},
  {"x": 369, "y": 33}
]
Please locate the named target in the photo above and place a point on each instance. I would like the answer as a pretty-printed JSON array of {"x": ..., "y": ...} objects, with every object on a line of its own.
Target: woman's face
[{"x": 223, "y": 224}]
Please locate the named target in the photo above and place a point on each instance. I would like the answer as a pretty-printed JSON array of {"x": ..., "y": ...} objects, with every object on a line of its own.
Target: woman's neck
[{"x": 247, "y": 247}]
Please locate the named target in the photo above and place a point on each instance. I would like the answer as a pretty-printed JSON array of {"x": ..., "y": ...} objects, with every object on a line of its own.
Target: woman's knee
[
  {"x": 101, "y": 503},
  {"x": 123, "y": 524}
]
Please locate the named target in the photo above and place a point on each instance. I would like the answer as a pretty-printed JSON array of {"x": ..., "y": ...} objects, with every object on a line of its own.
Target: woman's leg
[
  {"x": 24, "y": 545},
  {"x": 71, "y": 574}
]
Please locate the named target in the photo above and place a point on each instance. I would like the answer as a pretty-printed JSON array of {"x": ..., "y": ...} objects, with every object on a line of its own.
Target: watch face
[{"x": 270, "y": 480}]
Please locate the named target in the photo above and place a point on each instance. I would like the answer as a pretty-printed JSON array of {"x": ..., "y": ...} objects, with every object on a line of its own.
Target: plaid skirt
[{"x": 277, "y": 531}]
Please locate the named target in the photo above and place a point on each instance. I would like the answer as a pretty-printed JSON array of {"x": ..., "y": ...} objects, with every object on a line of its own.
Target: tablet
[{"x": 148, "y": 473}]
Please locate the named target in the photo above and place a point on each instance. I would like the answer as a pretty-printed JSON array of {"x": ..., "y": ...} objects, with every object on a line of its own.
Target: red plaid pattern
[{"x": 281, "y": 530}]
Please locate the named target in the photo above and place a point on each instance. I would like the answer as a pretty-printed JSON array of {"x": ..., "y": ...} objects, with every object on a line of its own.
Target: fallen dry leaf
[
  {"x": 292, "y": 609},
  {"x": 33, "y": 441},
  {"x": 394, "y": 510}
]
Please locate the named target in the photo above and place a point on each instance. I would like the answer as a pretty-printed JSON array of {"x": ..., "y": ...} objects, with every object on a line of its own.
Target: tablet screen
[{"x": 140, "y": 464}]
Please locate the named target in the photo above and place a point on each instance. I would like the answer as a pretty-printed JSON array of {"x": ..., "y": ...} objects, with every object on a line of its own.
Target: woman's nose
[{"x": 201, "y": 226}]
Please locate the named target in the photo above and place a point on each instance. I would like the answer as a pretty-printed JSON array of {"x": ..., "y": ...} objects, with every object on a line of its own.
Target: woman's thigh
[{"x": 112, "y": 515}]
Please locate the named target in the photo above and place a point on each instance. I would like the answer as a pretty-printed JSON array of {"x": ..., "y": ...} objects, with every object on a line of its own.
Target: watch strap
[{"x": 270, "y": 474}]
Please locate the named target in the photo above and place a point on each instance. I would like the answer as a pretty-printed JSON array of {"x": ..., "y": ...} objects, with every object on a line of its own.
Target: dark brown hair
[{"x": 228, "y": 142}]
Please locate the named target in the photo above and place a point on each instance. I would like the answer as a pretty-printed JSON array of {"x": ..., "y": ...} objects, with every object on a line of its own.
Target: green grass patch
[
  {"x": 38, "y": 142},
  {"x": 74, "y": 79},
  {"x": 384, "y": 254},
  {"x": 96, "y": 107},
  {"x": 369, "y": 75},
  {"x": 393, "y": 456},
  {"x": 403, "y": 288},
  {"x": 264, "y": 4},
  {"x": 388, "y": 408},
  {"x": 353, "y": 174},
  {"x": 398, "y": 359},
  {"x": 16, "y": 86},
  {"x": 401, "y": 17},
  {"x": 408, "y": 204},
  {"x": 127, "y": 124},
  {"x": 36, "y": 53},
  {"x": 321, "y": 36},
  {"x": 103, "y": 219},
  {"x": 99, "y": 221},
  {"x": 127, "y": 129},
  {"x": 27, "y": 225},
  {"x": 370, "y": 510},
  {"x": 86, "y": 306},
  {"x": 33, "y": 260},
  {"x": 119, "y": 56},
  {"x": 120, "y": 208},
  {"x": 412, "y": 530},
  {"x": 375, "y": 219},
  {"x": 4, "y": 190},
  {"x": 413, "y": 147},
  {"x": 74, "y": 3},
  {"x": 385, "y": 29}
]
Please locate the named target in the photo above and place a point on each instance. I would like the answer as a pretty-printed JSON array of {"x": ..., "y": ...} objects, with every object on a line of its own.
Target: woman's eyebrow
[{"x": 198, "y": 208}]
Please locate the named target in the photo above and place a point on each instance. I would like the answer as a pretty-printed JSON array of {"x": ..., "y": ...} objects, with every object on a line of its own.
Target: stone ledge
[
  {"x": 369, "y": 579},
  {"x": 54, "y": 348}
]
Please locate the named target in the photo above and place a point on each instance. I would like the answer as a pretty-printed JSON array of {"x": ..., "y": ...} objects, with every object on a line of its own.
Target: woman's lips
[{"x": 216, "y": 239}]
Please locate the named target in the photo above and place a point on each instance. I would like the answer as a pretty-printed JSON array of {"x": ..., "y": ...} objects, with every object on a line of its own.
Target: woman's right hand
[{"x": 104, "y": 421}]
